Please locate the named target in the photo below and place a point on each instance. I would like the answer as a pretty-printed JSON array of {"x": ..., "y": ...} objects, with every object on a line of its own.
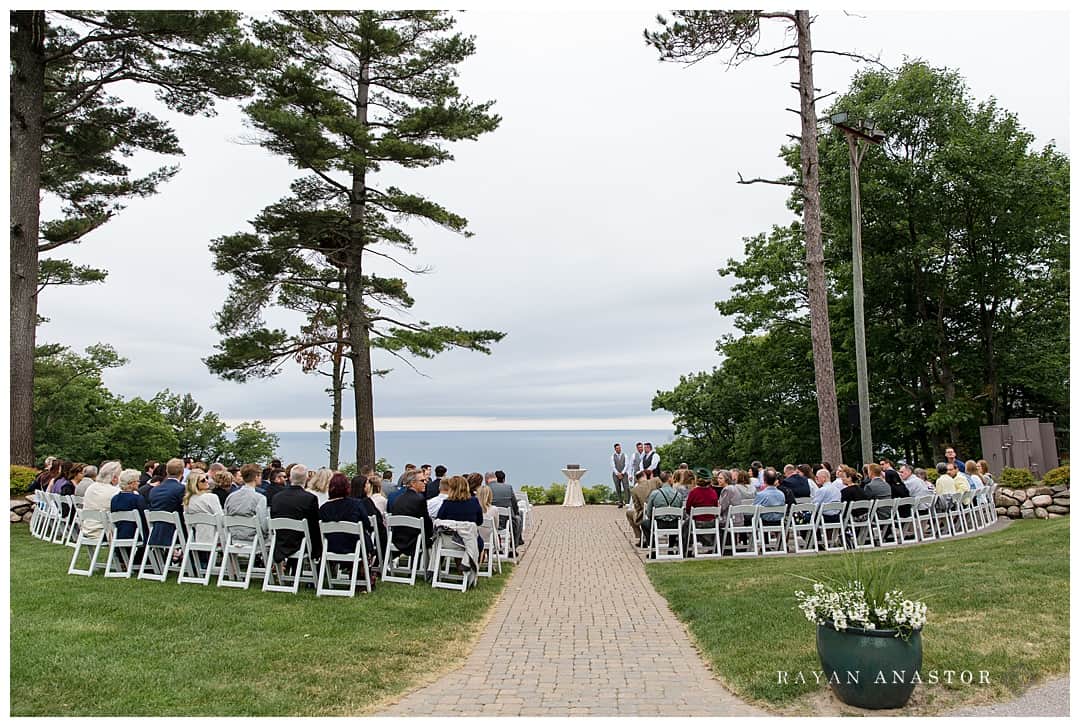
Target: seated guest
[
  {"x": 970, "y": 472},
  {"x": 639, "y": 495},
  {"x": 361, "y": 488},
  {"x": 853, "y": 489},
  {"x": 411, "y": 502},
  {"x": 916, "y": 487},
  {"x": 199, "y": 499},
  {"x": 340, "y": 506},
  {"x": 502, "y": 495},
  {"x": 248, "y": 502},
  {"x": 318, "y": 484},
  {"x": 827, "y": 491},
  {"x": 296, "y": 503},
  {"x": 78, "y": 473},
  {"x": 475, "y": 479},
  {"x": 278, "y": 481},
  {"x": 377, "y": 495},
  {"x": 126, "y": 500},
  {"x": 702, "y": 495},
  {"x": 61, "y": 485},
  {"x": 433, "y": 486},
  {"x": 664, "y": 496},
  {"x": 222, "y": 481},
  {"x": 168, "y": 497},
  {"x": 745, "y": 485},
  {"x": 876, "y": 488},
  {"x": 156, "y": 478},
  {"x": 952, "y": 483},
  {"x": 795, "y": 481},
  {"x": 771, "y": 496},
  {"x": 487, "y": 506},
  {"x": 436, "y": 502},
  {"x": 729, "y": 495},
  {"x": 99, "y": 496},
  {"x": 460, "y": 505},
  {"x": 90, "y": 473}
]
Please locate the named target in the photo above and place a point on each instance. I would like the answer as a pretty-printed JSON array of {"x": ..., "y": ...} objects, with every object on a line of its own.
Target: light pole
[{"x": 860, "y": 133}]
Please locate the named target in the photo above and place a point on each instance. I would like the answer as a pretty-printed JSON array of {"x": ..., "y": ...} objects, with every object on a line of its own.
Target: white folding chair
[
  {"x": 968, "y": 511},
  {"x": 355, "y": 562},
  {"x": 95, "y": 542},
  {"x": 925, "y": 523},
  {"x": 766, "y": 528},
  {"x": 302, "y": 556},
  {"x": 446, "y": 554},
  {"x": 737, "y": 525},
  {"x": 831, "y": 531},
  {"x": 858, "y": 528},
  {"x": 376, "y": 541},
  {"x": 507, "y": 548},
  {"x": 117, "y": 545},
  {"x": 198, "y": 523},
  {"x": 415, "y": 561},
  {"x": 523, "y": 507},
  {"x": 943, "y": 515},
  {"x": 881, "y": 521},
  {"x": 667, "y": 531},
  {"x": 802, "y": 521},
  {"x": 63, "y": 519},
  {"x": 231, "y": 575},
  {"x": 902, "y": 521},
  {"x": 76, "y": 519},
  {"x": 55, "y": 518},
  {"x": 71, "y": 521},
  {"x": 956, "y": 513},
  {"x": 36, "y": 512},
  {"x": 708, "y": 528},
  {"x": 991, "y": 505},
  {"x": 157, "y": 559},
  {"x": 491, "y": 547}
]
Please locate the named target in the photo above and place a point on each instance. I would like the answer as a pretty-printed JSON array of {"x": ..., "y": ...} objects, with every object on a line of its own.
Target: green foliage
[
  {"x": 1056, "y": 476},
  {"x": 138, "y": 432},
  {"x": 537, "y": 494},
  {"x": 72, "y": 407},
  {"x": 597, "y": 494},
  {"x": 556, "y": 494},
  {"x": 21, "y": 479},
  {"x": 200, "y": 434},
  {"x": 350, "y": 470},
  {"x": 251, "y": 443},
  {"x": 1015, "y": 477},
  {"x": 968, "y": 326}
]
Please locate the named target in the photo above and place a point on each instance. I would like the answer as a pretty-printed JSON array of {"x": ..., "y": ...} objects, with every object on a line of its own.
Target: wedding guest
[
  {"x": 127, "y": 500},
  {"x": 460, "y": 505},
  {"x": 199, "y": 499},
  {"x": 296, "y": 503},
  {"x": 90, "y": 473},
  {"x": 318, "y": 484},
  {"x": 222, "y": 481},
  {"x": 341, "y": 507},
  {"x": 248, "y": 502}
]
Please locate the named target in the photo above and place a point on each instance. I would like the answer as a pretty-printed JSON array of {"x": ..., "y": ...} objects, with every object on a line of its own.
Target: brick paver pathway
[{"x": 577, "y": 632}]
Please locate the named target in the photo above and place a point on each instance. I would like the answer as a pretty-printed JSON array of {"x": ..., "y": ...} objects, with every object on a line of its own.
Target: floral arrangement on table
[{"x": 865, "y": 598}]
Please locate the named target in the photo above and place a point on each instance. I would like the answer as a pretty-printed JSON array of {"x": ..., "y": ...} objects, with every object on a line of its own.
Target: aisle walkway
[{"x": 579, "y": 630}]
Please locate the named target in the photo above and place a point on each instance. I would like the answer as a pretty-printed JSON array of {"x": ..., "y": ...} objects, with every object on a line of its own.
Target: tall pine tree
[{"x": 352, "y": 93}]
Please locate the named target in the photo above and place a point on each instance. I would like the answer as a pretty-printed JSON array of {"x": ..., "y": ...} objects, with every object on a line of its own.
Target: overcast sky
[{"x": 601, "y": 207}]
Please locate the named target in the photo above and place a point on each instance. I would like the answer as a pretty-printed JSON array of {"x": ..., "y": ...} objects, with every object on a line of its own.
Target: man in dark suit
[
  {"x": 412, "y": 503},
  {"x": 796, "y": 481},
  {"x": 168, "y": 496},
  {"x": 298, "y": 504},
  {"x": 433, "y": 486},
  {"x": 275, "y": 485},
  {"x": 502, "y": 495}
]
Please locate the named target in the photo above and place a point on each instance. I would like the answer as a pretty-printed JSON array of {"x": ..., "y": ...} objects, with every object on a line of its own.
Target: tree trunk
[
  {"x": 828, "y": 415},
  {"x": 338, "y": 379},
  {"x": 27, "y": 130},
  {"x": 359, "y": 340}
]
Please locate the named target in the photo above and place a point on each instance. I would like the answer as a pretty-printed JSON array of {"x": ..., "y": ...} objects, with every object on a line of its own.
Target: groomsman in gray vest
[
  {"x": 639, "y": 452},
  {"x": 620, "y": 475},
  {"x": 650, "y": 461}
]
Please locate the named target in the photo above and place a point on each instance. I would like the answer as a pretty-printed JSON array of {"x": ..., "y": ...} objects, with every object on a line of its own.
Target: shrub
[
  {"x": 537, "y": 494},
  {"x": 604, "y": 493},
  {"x": 21, "y": 479},
  {"x": 1057, "y": 476},
  {"x": 1013, "y": 477},
  {"x": 592, "y": 495},
  {"x": 556, "y": 493}
]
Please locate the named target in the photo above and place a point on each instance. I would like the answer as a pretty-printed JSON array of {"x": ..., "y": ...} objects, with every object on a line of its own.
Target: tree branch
[
  {"x": 853, "y": 56},
  {"x": 759, "y": 180}
]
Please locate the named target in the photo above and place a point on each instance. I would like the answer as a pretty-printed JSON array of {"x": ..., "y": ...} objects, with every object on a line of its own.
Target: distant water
[{"x": 527, "y": 457}]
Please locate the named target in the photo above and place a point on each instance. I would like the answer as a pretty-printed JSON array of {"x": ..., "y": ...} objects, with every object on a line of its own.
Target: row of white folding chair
[
  {"x": 524, "y": 508},
  {"x": 507, "y": 542}
]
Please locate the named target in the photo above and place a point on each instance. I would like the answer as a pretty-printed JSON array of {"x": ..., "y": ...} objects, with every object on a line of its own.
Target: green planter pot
[{"x": 872, "y": 669}]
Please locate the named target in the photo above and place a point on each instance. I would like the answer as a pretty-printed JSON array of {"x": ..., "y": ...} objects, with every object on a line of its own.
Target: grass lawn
[
  {"x": 87, "y": 646},
  {"x": 997, "y": 601}
]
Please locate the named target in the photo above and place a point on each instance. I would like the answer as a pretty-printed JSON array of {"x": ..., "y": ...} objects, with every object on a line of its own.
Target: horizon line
[{"x": 300, "y": 425}]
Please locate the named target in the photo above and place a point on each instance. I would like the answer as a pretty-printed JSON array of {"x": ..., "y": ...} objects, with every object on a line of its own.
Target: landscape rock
[
  {"x": 1042, "y": 500},
  {"x": 1019, "y": 495},
  {"x": 1027, "y": 505},
  {"x": 1044, "y": 490},
  {"x": 1041, "y": 513},
  {"x": 1027, "y": 514},
  {"x": 1054, "y": 515},
  {"x": 1013, "y": 512},
  {"x": 1002, "y": 511},
  {"x": 1059, "y": 488},
  {"x": 18, "y": 518},
  {"x": 1058, "y": 509},
  {"x": 1030, "y": 492},
  {"x": 1062, "y": 500},
  {"x": 27, "y": 516},
  {"x": 1004, "y": 501}
]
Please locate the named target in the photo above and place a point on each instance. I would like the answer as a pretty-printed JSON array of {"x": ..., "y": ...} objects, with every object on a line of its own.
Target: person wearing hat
[{"x": 701, "y": 495}]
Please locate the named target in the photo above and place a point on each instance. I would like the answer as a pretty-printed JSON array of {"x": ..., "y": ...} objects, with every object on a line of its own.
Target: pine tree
[{"x": 353, "y": 92}]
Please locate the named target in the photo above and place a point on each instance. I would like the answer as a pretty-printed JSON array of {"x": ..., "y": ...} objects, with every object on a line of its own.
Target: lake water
[{"x": 527, "y": 457}]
